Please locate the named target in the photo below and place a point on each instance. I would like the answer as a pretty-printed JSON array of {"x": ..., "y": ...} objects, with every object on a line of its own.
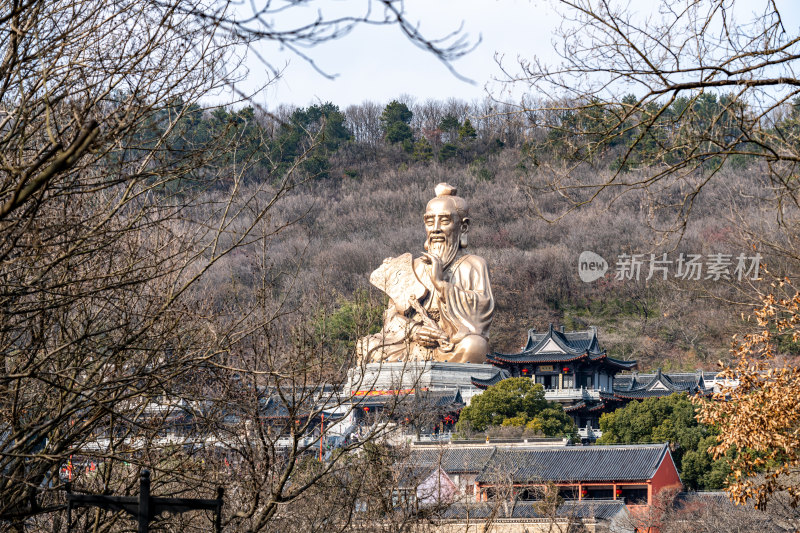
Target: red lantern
[
  {"x": 524, "y": 370},
  {"x": 584, "y": 493},
  {"x": 565, "y": 370},
  {"x": 366, "y": 409},
  {"x": 619, "y": 493}
]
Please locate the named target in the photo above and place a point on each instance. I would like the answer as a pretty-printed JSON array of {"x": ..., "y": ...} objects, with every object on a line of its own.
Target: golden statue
[{"x": 441, "y": 303}]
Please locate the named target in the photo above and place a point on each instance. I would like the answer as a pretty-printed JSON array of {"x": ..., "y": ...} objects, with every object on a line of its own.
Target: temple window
[
  {"x": 597, "y": 493},
  {"x": 635, "y": 495},
  {"x": 549, "y": 382}
]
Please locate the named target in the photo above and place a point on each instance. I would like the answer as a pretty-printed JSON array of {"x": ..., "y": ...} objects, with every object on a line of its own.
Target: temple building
[
  {"x": 511, "y": 481},
  {"x": 576, "y": 372},
  {"x": 633, "y": 473}
]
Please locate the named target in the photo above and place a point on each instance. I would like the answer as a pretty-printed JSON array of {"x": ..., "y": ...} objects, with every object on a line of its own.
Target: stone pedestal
[{"x": 431, "y": 375}]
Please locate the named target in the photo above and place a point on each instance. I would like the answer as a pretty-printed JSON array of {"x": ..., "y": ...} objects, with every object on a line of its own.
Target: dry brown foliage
[{"x": 758, "y": 415}]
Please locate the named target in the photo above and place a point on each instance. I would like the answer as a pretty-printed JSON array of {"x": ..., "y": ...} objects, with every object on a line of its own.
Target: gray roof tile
[
  {"x": 576, "y": 463},
  {"x": 641, "y": 386},
  {"x": 454, "y": 460}
]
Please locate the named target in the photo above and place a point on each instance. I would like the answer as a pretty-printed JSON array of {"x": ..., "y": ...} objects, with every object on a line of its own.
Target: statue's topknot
[
  {"x": 445, "y": 189},
  {"x": 448, "y": 192}
]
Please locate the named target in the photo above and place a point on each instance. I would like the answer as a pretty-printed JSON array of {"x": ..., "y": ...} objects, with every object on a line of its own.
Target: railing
[
  {"x": 589, "y": 433},
  {"x": 145, "y": 508},
  {"x": 572, "y": 394},
  {"x": 435, "y": 437}
]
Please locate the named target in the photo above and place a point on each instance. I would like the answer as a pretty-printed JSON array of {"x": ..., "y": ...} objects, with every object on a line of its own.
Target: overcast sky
[{"x": 380, "y": 64}]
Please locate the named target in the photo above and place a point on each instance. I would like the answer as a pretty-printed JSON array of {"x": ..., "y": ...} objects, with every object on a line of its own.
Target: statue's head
[{"x": 446, "y": 223}]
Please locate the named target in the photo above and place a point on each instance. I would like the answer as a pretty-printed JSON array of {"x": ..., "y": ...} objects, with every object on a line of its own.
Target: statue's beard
[{"x": 443, "y": 249}]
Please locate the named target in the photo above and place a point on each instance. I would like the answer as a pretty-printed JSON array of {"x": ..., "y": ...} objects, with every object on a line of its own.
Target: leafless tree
[
  {"x": 364, "y": 121},
  {"x": 111, "y": 212},
  {"x": 670, "y": 95},
  {"x": 673, "y": 512}
]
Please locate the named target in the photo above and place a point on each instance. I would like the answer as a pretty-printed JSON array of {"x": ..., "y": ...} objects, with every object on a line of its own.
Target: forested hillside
[{"x": 364, "y": 174}]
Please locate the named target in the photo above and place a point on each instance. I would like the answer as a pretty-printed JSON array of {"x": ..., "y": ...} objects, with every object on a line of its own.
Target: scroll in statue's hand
[{"x": 397, "y": 279}]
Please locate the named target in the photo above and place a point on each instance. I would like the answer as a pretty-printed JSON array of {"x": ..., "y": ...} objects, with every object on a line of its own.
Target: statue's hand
[
  {"x": 436, "y": 270},
  {"x": 430, "y": 337}
]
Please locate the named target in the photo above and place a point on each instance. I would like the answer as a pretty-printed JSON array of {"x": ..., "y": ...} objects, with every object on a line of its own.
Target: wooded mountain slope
[{"x": 368, "y": 205}]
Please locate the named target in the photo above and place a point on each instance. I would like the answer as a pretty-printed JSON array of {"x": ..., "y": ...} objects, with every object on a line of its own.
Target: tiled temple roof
[
  {"x": 554, "y": 346},
  {"x": 635, "y": 462},
  {"x": 494, "y": 380},
  {"x": 454, "y": 460},
  {"x": 642, "y": 386},
  {"x": 437, "y": 399}
]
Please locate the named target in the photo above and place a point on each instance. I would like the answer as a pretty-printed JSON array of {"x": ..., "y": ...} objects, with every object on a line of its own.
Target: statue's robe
[{"x": 463, "y": 310}]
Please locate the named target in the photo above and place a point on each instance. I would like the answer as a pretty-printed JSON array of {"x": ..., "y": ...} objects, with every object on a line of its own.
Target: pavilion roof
[
  {"x": 642, "y": 386},
  {"x": 555, "y": 346}
]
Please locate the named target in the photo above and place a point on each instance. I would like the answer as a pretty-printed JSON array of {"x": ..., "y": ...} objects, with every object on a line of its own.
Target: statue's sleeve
[{"x": 469, "y": 304}]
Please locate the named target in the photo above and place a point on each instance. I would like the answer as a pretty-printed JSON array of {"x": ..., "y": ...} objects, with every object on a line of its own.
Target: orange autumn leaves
[{"x": 758, "y": 409}]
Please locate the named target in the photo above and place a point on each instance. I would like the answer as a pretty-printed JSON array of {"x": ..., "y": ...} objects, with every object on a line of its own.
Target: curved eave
[
  {"x": 534, "y": 358},
  {"x": 644, "y": 394},
  {"x": 593, "y": 343},
  {"x": 573, "y": 408},
  {"x": 485, "y": 383},
  {"x": 529, "y": 344},
  {"x": 624, "y": 365},
  {"x": 609, "y": 396},
  {"x": 497, "y": 358},
  {"x": 283, "y": 416},
  {"x": 637, "y": 394}
]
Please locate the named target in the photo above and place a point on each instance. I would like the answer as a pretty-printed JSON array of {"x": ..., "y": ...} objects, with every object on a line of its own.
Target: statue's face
[{"x": 443, "y": 226}]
